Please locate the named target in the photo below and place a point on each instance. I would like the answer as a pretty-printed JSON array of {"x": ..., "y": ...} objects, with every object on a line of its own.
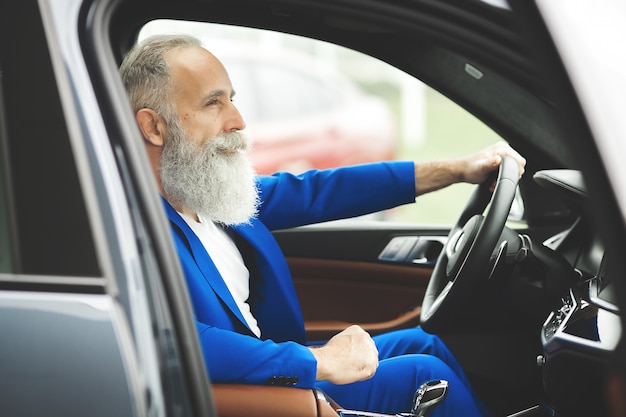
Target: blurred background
[{"x": 310, "y": 104}]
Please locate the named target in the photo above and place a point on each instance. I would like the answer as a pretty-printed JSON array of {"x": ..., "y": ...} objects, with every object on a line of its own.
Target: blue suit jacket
[{"x": 232, "y": 352}]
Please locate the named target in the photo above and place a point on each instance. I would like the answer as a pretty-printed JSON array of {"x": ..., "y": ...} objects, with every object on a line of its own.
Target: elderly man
[{"x": 246, "y": 310}]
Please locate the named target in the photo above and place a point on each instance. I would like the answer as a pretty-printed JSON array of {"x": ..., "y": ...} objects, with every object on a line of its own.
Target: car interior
[
  {"x": 531, "y": 310},
  {"x": 528, "y": 333}
]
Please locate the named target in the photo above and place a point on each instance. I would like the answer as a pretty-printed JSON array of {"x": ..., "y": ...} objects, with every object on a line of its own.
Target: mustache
[{"x": 230, "y": 142}]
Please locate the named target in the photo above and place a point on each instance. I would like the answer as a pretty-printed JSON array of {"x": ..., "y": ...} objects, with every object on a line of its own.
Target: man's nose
[{"x": 235, "y": 120}]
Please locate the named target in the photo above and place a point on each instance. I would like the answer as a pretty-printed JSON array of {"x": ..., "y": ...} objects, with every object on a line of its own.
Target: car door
[
  {"x": 93, "y": 309},
  {"x": 67, "y": 346},
  {"x": 371, "y": 274}
]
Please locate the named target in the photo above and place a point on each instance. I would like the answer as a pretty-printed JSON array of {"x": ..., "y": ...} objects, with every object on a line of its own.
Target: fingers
[
  {"x": 365, "y": 353},
  {"x": 480, "y": 164},
  {"x": 348, "y": 357},
  {"x": 501, "y": 149}
]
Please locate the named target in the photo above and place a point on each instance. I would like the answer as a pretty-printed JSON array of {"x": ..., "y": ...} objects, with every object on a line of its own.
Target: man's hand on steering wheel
[
  {"x": 474, "y": 168},
  {"x": 464, "y": 262},
  {"x": 480, "y": 164}
]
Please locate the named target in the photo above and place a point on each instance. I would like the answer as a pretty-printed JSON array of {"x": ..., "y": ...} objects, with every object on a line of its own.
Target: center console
[{"x": 577, "y": 339}]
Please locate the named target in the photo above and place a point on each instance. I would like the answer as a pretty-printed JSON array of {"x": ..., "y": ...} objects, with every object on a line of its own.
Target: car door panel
[{"x": 367, "y": 274}]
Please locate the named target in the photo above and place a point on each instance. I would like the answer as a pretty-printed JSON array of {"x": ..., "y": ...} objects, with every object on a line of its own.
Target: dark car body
[{"x": 94, "y": 312}]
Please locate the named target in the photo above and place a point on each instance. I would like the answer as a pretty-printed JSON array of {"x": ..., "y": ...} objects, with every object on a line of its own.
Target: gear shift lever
[{"x": 428, "y": 396}]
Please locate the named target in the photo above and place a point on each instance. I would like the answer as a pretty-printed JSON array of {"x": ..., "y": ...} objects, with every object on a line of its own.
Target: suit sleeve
[
  {"x": 228, "y": 357},
  {"x": 290, "y": 200}
]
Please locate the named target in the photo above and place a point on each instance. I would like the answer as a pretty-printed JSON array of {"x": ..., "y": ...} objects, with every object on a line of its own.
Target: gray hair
[{"x": 146, "y": 75}]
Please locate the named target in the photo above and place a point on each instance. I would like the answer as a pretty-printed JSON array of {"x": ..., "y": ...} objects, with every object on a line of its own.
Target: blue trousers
[{"x": 409, "y": 358}]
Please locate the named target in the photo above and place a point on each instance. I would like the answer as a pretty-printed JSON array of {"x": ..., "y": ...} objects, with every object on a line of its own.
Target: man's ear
[{"x": 152, "y": 126}]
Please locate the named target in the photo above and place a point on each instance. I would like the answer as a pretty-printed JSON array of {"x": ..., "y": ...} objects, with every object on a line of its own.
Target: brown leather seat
[{"x": 238, "y": 400}]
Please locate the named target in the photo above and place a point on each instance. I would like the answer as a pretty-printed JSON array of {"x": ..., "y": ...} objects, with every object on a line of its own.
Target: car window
[
  {"x": 310, "y": 104},
  {"x": 289, "y": 93}
]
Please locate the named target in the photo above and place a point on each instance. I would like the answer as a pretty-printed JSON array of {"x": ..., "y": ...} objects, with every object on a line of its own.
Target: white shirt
[{"x": 229, "y": 263}]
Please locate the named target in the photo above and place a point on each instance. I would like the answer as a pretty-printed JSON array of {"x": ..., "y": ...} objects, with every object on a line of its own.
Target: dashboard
[
  {"x": 587, "y": 318},
  {"x": 577, "y": 339},
  {"x": 581, "y": 332}
]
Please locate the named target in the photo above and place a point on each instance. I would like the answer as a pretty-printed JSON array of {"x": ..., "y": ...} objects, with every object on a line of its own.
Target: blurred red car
[{"x": 301, "y": 115}]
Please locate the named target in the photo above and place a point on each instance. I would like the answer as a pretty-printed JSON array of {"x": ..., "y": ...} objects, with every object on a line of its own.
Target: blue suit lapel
[
  {"x": 273, "y": 299},
  {"x": 205, "y": 263}
]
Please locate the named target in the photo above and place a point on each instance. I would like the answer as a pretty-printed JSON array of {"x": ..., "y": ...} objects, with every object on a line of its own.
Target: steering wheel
[{"x": 464, "y": 262}]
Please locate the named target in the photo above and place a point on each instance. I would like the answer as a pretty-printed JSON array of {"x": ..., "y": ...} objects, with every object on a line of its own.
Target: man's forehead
[
  {"x": 197, "y": 66},
  {"x": 190, "y": 58}
]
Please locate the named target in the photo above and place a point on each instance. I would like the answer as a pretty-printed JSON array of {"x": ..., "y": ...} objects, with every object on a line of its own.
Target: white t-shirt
[{"x": 229, "y": 263}]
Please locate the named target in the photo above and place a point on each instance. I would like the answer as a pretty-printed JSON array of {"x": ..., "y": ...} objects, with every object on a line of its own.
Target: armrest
[
  {"x": 239, "y": 400},
  {"x": 325, "y": 329}
]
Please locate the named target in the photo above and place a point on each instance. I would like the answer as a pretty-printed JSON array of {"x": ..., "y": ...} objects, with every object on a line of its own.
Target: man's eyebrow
[{"x": 219, "y": 93}]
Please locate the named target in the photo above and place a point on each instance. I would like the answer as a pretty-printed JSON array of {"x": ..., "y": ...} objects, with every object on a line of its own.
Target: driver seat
[{"x": 241, "y": 400}]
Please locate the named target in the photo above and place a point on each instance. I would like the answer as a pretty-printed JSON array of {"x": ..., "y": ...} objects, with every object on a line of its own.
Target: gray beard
[{"x": 214, "y": 180}]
